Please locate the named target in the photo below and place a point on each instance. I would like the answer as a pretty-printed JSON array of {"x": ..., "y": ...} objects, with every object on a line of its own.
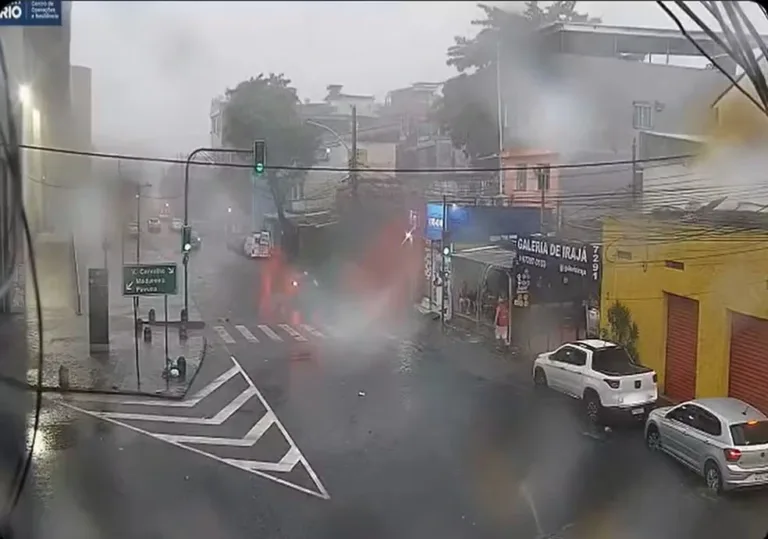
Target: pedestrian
[{"x": 501, "y": 322}]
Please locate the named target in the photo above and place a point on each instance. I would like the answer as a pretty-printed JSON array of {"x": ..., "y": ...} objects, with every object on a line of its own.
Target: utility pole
[
  {"x": 637, "y": 187},
  {"x": 500, "y": 116},
  {"x": 138, "y": 223},
  {"x": 353, "y": 159},
  {"x": 543, "y": 181}
]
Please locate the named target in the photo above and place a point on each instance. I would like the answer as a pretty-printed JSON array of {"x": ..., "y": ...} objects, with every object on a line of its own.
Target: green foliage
[
  {"x": 622, "y": 329},
  {"x": 464, "y": 111},
  {"x": 266, "y": 107}
]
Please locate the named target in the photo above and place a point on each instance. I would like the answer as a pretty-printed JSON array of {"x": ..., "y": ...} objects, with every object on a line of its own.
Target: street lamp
[{"x": 339, "y": 138}]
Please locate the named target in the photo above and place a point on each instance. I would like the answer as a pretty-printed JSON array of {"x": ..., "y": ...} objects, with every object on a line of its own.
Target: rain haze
[
  {"x": 157, "y": 65},
  {"x": 385, "y": 270}
]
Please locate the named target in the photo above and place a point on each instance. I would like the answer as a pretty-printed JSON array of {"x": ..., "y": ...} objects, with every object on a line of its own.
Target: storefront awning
[{"x": 489, "y": 256}]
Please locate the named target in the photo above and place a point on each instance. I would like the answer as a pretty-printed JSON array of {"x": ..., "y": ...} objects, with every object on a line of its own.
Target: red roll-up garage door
[
  {"x": 681, "y": 351},
  {"x": 748, "y": 368}
]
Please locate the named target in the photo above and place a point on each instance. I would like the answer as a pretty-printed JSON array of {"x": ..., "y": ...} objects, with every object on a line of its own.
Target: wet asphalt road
[{"x": 398, "y": 432}]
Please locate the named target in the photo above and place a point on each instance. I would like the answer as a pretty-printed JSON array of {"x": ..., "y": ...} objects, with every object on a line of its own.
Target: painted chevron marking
[{"x": 220, "y": 417}]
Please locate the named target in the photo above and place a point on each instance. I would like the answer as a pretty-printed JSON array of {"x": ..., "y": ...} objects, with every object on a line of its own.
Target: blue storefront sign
[{"x": 478, "y": 224}]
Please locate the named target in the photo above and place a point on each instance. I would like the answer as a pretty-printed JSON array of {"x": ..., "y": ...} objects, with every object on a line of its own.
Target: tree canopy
[
  {"x": 267, "y": 107},
  {"x": 464, "y": 112}
]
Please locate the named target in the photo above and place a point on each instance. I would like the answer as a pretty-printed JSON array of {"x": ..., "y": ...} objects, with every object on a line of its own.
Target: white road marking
[
  {"x": 193, "y": 401},
  {"x": 245, "y": 332},
  {"x": 220, "y": 417},
  {"x": 269, "y": 333},
  {"x": 312, "y": 331},
  {"x": 225, "y": 336},
  {"x": 293, "y": 333},
  {"x": 289, "y": 461},
  {"x": 249, "y": 440},
  {"x": 322, "y": 493}
]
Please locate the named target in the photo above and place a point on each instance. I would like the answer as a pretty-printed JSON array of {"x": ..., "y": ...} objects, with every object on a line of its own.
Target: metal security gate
[
  {"x": 681, "y": 348},
  {"x": 748, "y": 366}
]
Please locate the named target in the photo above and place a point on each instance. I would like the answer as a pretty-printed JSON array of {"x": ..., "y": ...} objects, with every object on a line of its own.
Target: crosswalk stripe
[
  {"x": 245, "y": 332},
  {"x": 269, "y": 333},
  {"x": 293, "y": 333},
  {"x": 225, "y": 336},
  {"x": 312, "y": 331}
]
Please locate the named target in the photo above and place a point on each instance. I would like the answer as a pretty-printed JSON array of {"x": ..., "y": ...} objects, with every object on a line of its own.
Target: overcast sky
[{"x": 156, "y": 65}]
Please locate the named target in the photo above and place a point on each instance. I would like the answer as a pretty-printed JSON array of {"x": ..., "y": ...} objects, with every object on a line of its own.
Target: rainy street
[{"x": 399, "y": 431}]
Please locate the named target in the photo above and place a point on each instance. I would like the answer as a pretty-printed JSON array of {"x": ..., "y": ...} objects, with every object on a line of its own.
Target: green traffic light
[{"x": 259, "y": 168}]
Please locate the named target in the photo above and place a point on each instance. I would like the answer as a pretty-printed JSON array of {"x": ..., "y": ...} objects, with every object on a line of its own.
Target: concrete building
[
  {"x": 592, "y": 93},
  {"x": 699, "y": 303},
  {"x": 39, "y": 85}
]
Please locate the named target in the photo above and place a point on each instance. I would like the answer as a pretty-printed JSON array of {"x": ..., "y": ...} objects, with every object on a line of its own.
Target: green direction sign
[{"x": 150, "y": 280}]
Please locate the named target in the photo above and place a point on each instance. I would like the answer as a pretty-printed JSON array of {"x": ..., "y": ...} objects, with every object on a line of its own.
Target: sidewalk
[{"x": 65, "y": 333}]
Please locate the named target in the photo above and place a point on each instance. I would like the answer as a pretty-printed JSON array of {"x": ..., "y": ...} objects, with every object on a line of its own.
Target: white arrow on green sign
[{"x": 150, "y": 280}]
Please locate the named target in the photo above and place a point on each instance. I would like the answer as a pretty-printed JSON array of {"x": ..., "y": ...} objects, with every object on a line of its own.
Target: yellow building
[{"x": 698, "y": 295}]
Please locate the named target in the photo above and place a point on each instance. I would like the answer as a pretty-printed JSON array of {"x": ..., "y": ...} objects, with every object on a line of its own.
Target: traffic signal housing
[
  {"x": 259, "y": 156},
  {"x": 186, "y": 239}
]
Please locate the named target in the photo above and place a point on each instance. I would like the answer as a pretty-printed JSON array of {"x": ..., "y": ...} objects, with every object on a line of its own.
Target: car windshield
[
  {"x": 750, "y": 433},
  {"x": 613, "y": 360}
]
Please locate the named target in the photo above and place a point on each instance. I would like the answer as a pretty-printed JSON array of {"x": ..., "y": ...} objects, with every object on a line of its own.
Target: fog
[{"x": 156, "y": 66}]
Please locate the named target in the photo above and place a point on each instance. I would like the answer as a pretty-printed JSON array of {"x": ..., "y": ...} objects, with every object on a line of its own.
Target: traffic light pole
[
  {"x": 187, "y": 163},
  {"x": 353, "y": 172}
]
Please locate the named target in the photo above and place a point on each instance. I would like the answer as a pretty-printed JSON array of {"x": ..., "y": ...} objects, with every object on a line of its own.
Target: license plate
[
  {"x": 637, "y": 411},
  {"x": 760, "y": 477}
]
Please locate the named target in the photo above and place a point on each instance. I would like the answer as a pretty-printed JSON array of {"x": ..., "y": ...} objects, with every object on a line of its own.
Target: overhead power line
[{"x": 307, "y": 168}]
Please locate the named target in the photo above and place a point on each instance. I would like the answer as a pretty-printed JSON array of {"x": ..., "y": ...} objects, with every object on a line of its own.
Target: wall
[
  {"x": 82, "y": 125},
  {"x": 589, "y": 117},
  {"x": 531, "y": 196},
  {"x": 721, "y": 275}
]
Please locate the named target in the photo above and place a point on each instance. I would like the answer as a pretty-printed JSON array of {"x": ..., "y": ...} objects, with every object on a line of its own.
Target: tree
[
  {"x": 267, "y": 107},
  {"x": 622, "y": 329},
  {"x": 464, "y": 111},
  {"x": 501, "y": 27}
]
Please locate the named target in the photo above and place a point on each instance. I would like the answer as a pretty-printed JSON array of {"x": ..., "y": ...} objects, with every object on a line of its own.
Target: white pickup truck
[
  {"x": 602, "y": 375},
  {"x": 258, "y": 245}
]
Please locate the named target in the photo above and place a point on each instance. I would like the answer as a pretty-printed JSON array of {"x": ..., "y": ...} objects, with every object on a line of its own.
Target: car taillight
[
  {"x": 613, "y": 384},
  {"x": 732, "y": 455},
  {"x": 655, "y": 378}
]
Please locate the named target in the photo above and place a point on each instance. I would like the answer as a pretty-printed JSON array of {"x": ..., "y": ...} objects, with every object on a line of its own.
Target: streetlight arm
[{"x": 332, "y": 132}]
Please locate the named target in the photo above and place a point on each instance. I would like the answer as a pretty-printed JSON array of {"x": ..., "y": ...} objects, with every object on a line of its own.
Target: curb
[
  {"x": 120, "y": 392},
  {"x": 191, "y": 324}
]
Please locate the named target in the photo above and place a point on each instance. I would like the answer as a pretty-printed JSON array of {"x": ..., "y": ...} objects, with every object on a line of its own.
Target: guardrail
[{"x": 78, "y": 289}]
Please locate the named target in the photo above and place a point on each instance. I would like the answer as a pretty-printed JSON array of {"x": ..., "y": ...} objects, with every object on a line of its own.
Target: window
[
  {"x": 750, "y": 433},
  {"x": 522, "y": 179},
  {"x": 614, "y": 361},
  {"x": 685, "y": 414},
  {"x": 542, "y": 177},
  {"x": 642, "y": 117},
  {"x": 576, "y": 357},
  {"x": 708, "y": 423}
]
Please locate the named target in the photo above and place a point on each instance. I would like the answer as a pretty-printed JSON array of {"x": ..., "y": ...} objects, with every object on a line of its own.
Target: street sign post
[{"x": 150, "y": 280}]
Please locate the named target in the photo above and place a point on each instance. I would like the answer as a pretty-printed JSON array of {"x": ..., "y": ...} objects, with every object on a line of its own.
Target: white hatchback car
[{"x": 603, "y": 375}]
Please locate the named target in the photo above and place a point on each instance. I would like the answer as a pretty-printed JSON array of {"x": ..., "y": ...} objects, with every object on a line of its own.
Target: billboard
[{"x": 480, "y": 224}]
